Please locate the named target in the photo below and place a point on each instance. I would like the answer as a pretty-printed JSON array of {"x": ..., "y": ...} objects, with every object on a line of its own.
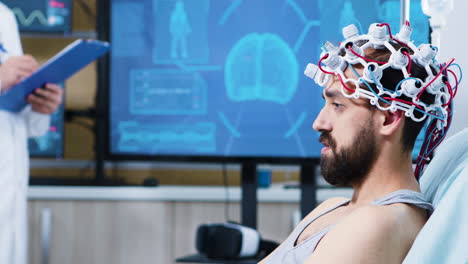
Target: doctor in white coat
[{"x": 15, "y": 128}]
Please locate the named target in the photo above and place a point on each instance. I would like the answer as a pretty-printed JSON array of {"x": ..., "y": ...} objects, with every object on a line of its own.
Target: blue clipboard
[{"x": 64, "y": 64}]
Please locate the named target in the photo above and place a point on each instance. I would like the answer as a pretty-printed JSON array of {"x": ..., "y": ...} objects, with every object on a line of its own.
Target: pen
[
  {"x": 3, "y": 54},
  {"x": 3, "y": 57}
]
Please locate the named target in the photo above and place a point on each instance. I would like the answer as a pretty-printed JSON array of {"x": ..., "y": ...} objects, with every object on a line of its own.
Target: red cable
[
  {"x": 435, "y": 138},
  {"x": 388, "y": 28},
  {"x": 421, "y": 159},
  {"x": 399, "y": 42},
  {"x": 451, "y": 93},
  {"x": 427, "y": 85},
  {"x": 327, "y": 72},
  {"x": 344, "y": 85},
  {"x": 390, "y": 33},
  {"x": 434, "y": 141},
  {"x": 409, "y": 62},
  {"x": 431, "y": 128},
  {"x": 320, "y": 64},
  {"x": 456, "y": 81},
  {"x": 362, "y": 57},
  {"x": 449, "y": 119}
]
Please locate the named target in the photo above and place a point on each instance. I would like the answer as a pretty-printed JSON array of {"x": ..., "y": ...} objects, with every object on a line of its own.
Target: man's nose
[{"x": 322, "y": 122}]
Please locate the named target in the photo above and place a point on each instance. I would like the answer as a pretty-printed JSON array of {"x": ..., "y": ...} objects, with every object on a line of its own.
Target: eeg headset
[{"x": 442, "y": 85}]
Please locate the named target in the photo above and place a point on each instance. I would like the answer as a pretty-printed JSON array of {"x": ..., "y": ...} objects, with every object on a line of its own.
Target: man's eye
[{"x": 337, "y": 105}]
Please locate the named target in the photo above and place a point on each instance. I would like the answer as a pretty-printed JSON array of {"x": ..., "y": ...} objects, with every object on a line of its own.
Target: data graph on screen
[
  {"x": 42, "y": 15},
  {"x": 198, "y": 137},
  {"x": 224, "y": 78}
]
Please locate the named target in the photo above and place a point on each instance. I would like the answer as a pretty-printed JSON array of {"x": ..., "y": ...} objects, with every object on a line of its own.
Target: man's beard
[{"x": 351, "y": 165}]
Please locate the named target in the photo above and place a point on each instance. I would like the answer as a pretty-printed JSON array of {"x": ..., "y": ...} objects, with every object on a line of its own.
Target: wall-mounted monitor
[
  {"x": 205, "y": 79},
  {"x": 42, "y": 15}
]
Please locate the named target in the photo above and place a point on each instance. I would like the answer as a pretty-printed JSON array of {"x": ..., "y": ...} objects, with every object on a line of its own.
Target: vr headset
[{"x": 231, "y": 241}]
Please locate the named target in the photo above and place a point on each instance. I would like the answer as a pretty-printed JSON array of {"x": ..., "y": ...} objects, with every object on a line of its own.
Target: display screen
[
  {"x": 42, "y": 15},
  {"x": 224, "y": 78},
  {"x": 50, "y": 145}
]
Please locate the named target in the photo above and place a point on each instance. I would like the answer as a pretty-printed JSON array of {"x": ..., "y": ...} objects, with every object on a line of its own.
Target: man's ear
[{"x": 390, "y": 122}]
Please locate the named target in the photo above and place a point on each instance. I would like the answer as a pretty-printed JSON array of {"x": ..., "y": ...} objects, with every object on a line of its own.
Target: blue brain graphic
[{"x": 261, "y": 67}]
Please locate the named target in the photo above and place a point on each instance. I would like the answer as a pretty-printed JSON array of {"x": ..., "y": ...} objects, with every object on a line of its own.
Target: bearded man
[{"x": 377, "y": 96}]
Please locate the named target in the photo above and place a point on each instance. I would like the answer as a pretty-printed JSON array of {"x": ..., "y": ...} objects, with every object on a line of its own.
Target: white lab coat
[{"x": 15, "y": 128}]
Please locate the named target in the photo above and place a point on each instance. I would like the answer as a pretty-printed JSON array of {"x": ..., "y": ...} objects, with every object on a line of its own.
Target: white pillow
[
  {"x": 449, "y": 160},
  {"x": 444, "y": 238}
]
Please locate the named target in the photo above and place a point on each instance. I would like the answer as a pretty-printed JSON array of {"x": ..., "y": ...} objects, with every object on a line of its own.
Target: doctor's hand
[
  {"x": 16, "y": 68},
  {"x": 46, "y": 100}
]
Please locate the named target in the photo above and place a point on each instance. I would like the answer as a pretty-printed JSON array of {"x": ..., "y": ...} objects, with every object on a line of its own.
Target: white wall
[{"x": 454, "y": 44}]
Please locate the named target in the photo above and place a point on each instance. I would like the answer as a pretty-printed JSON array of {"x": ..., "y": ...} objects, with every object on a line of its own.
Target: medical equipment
[
  {"x": 441, "y": 82},
  {"x": 231, "y": 241}
]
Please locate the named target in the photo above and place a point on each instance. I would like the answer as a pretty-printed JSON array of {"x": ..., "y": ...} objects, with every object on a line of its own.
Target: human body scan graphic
[
  {"x": 359, "y": 12},
  {"x": 180, "y": 28}
]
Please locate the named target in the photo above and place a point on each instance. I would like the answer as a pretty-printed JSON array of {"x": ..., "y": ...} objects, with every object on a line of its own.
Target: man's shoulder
[
  {"x": 384, "y": 217},
  {"x": 379, "y": 218},
  {"x": 388, "y": 217},
  {"x": 371, "y": 233},
  {"x": 401, "y": 221},
  {"x": 395, "y": 225}
]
